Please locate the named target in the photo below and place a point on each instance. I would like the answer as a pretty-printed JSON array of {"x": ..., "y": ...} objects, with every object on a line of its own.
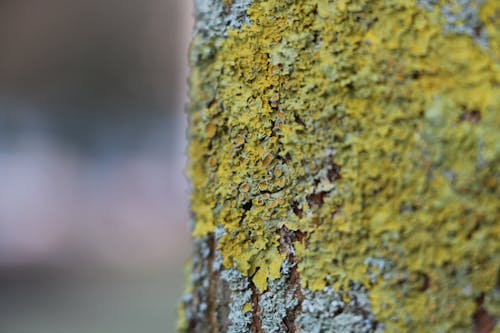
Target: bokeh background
[{"x": 93, "y": 198}]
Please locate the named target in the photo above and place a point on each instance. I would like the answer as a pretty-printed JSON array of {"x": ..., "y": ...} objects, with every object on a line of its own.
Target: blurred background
[{"x": 93, "y": 198}]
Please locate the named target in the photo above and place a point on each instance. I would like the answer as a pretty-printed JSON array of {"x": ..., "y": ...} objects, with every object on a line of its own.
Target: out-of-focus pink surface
[
  {"x": 92, "y": 131},
  {"x": 93, "y": 198},
  {"x": 58, "y": 206}
]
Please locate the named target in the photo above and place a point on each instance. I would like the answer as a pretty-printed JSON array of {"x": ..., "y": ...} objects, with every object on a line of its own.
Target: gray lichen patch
[
  {"x": 240, "y": 318},
  {"x": 273, "y": 306},
  {"x": 214, "y": 18},
  {"x": 235, "y": 280},
  {"x": 195, "y": 304},
  {"x": 427, "y": 4},
  {"x": 239, "y": 313},
  {"x": 461, "y": 17},
  {"x": 277, "y": 302},
  {"x": 218, "y": 298},
  {"x": 378, "y": 268},
  {"x": 217, "y": 262},
  {"x": 327, "y": 311}
]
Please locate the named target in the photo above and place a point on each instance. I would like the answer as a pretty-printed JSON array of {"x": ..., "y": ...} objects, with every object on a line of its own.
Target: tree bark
[{"x": 344, "y": 160}]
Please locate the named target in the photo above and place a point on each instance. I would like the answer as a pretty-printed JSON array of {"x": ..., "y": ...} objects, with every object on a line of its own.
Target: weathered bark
[{"x": 344, "y": 159}]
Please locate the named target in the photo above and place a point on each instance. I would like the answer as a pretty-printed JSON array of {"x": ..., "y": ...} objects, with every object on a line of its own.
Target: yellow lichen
[
  {"x": 362, "y": 125},
  {"x": 247, "y": 307}
]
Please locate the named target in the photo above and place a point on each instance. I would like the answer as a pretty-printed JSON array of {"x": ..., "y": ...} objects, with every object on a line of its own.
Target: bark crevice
[{"x": 257, "y": 321}]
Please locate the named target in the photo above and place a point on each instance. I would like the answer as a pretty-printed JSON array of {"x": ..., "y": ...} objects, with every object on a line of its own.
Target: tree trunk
[{"x": 344, "y": 159}]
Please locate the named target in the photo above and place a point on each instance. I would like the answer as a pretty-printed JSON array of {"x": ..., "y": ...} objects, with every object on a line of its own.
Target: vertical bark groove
[
  {"x": 213, "y": 277},
  {"x": 257, "y": 322}
]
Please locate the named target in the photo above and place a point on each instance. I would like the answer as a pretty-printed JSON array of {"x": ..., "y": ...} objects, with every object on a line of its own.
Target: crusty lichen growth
[
  {"x": 372, "y": 127},
  {"x": 215, "y": 17},
  {"x": 194, "y": 304},
  {"x": 329, "y": 311},
  {"x": 277, "y": 301},
  {"x": 240, "y": 316}
]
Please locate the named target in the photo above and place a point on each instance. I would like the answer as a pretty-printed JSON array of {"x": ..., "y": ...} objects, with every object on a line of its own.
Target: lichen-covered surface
[
  {"x": 360, "y": 141},
  {"x": 328, "y": 311}
]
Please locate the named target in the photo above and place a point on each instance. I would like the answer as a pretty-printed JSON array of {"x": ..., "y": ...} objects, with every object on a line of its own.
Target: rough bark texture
[{"x": 345, "y": 157}]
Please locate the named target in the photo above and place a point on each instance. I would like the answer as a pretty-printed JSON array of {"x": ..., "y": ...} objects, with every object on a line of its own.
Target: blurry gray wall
[
  {"x": 93, "y": 201},
  {"x": 94, "y": 72}
]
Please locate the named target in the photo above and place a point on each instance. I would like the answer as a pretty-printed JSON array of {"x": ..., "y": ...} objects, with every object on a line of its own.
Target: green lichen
[{"x": 371, "y": 129}]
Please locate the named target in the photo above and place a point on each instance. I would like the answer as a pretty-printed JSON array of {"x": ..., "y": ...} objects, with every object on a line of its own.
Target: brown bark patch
[
  {"x": 316, "y": 199},
  {"x": 257, "y": 321},
  {"x": 333, "y": 173},
  {"x": 296, "y": 209},
  {"x": 212, "y": 287},
  {"x": 483, "y": 321},
  {"x": 293, "y": 286},
  {"x": 471, "y": 116}
]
